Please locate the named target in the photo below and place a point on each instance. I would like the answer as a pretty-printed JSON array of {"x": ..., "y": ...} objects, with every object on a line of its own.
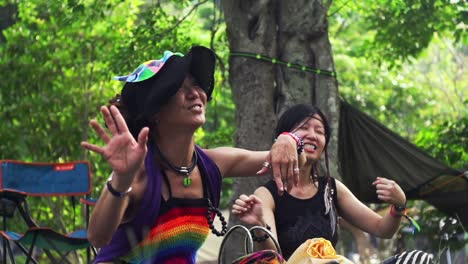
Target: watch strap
[{"x": 116, "y": 193}]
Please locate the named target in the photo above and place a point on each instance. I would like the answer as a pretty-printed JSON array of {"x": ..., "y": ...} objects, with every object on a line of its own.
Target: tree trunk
[{"x": 291, "y": 32}]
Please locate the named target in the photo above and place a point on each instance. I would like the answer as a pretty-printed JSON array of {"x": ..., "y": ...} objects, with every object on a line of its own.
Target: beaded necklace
[
  {"x": 217, "y": 212},
  {"x": 213, "y": 210}
]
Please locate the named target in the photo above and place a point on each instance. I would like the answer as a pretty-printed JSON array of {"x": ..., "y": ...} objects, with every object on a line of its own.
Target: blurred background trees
[{"x": 401, "y": 62}]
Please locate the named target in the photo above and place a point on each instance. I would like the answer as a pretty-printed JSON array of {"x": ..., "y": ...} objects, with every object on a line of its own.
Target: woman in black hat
[{"x": 161, "y": 199}]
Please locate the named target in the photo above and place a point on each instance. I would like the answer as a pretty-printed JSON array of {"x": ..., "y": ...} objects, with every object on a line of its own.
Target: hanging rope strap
[
  {"x": 284, "y": 63},
  {"x": 415, "y": 227}
]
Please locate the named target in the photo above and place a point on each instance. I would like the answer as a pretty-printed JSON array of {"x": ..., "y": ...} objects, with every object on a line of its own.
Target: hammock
[{"x": 367, "y": 149}]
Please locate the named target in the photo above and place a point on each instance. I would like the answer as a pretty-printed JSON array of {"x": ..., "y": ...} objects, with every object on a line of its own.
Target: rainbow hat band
[{"x": 147, "y": 69}]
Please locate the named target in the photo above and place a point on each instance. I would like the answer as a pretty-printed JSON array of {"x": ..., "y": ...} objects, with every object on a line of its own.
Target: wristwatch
[
  {"x": 114, "y": 192},
  {"x": 400, "y": 208}
]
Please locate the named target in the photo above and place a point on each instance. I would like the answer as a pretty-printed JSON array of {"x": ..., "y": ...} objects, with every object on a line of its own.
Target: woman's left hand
[
  {"x": 248, "y": 209},
  {"x": 389, "y": 191}
]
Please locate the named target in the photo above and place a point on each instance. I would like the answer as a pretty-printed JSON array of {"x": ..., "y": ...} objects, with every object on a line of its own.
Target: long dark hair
[
  {"x": 298, "y": 115},
  {"x": 292, "y": 118}
]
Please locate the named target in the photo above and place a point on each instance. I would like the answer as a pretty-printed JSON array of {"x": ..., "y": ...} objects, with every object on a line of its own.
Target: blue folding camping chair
[{"x": 20, "y": 180}]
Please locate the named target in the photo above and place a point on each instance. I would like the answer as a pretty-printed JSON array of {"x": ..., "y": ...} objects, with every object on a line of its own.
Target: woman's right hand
[
  {"x": 123, "y": 153},
  {"x": 248, "y": 209},
  {"x": 284, "y": 163}
]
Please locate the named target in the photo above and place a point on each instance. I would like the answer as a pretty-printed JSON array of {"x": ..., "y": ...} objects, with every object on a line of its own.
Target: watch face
[{"x": 400, "y": 208}]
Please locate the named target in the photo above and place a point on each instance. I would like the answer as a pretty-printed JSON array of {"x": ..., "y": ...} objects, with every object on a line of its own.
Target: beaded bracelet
[
  {"x": 299, "y": 141},
  {"x": 263, "y": 238}
]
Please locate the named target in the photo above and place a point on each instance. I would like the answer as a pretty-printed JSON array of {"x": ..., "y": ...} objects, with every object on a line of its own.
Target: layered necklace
[{"x": 184, "y": 171}]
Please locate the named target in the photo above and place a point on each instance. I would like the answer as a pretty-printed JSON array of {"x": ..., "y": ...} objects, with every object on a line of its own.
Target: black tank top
[{"x": 300, "y": 219}]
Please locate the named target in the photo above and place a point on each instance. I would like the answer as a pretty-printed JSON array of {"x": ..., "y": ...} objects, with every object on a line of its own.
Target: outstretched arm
[
  {"x": 365, "y": 218},
  {"x": 125, "y": 156},
  {"x": 282, "y": 159}
]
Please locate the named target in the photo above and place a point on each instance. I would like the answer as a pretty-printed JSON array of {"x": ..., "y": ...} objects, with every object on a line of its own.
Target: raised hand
[
  {"x": 123, "y": 153},
  {"x": 283, "y": 160},
  {"x": 389, "y": 191},
  {"x": 248, "y": 209}
]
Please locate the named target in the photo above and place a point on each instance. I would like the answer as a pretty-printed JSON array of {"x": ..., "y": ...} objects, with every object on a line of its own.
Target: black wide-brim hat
[{"x": 154, "y": 82}]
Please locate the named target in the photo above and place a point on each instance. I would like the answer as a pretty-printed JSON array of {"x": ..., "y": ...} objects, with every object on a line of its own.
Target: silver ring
[
  {"x": 266, "y": 164},
  {"x": 296, "y": 169}
]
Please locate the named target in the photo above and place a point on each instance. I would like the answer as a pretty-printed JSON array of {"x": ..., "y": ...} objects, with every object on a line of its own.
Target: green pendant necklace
[{"x": 184, "y": 171}]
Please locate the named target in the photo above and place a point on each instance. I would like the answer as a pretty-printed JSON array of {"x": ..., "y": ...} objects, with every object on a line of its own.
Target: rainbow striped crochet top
[{"x": 180, "y": 231}]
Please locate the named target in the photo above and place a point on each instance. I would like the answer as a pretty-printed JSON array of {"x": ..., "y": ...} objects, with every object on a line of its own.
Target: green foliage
[
  {"x": 56, "y": 65},
  {"x": 55, "y": 75},
  {"x": 424, "y": 99},
  {"x": 447, "y": 141},
  {"x": 408, "y": 98},
  {"x": 403, "y": 29}
]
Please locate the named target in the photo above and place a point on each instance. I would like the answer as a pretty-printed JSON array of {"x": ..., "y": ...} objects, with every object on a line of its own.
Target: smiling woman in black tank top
[{"x": 310, "y": 208}]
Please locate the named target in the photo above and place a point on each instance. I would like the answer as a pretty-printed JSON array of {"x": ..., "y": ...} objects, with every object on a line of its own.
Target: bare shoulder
[
  {"x": 341, "y": 188},
  {"x": 346, "y": 198}
]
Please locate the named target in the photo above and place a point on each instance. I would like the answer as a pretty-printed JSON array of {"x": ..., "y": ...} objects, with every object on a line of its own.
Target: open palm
[{"x": 124, "y": 154}]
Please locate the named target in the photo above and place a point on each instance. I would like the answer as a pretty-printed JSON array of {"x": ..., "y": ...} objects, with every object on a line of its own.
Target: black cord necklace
[{"x": 184, "y": 171}]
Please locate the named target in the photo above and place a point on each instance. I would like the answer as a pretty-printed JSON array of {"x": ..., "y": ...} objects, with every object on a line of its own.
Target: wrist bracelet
[
  {"x": 262, "y": 238},
  {"x": 116, "y": 193},
  {"x": 299, "y": 142}
]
